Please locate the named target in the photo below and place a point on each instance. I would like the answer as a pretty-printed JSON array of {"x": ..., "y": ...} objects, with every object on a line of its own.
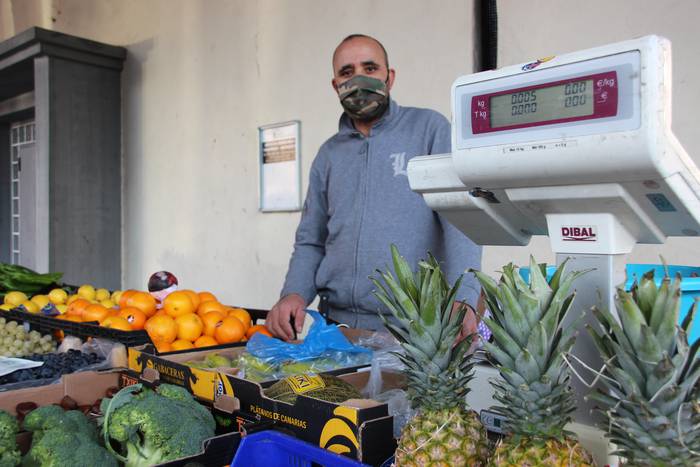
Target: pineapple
[
  {"x": 529, "y": 344},
  {"x": 651, "y": 398},
  {"x": 444, "y": 432}
]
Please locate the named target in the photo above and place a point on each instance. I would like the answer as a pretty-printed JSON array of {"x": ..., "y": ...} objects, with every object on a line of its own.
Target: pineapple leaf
[
  {"x": 666, "y": 332},
  {"x": 503, "y": 339},
  {"x": 629, "y": 385},
  {"x": 658, "y": 311},
  {"x": 645, "y": 294},
  {"x": 513, "y": 378},
  {"x": 689, "y": 319},
  {"x": 602, "y": 342},
  {"x": 691, "y": 379},
  {"x": 649, "y": 350},
  {"x": 401, "y": 298},
  {"x": 555, "y": 281},
  {"x": 527, "y": 366},
  {"x": 396, "y": 331},
  {"x": 383, "y": 297},
  {"x": 422, "y": 339},
  {"x": 501, "y": 357},
  {"x": 690, "y": 359},
  {"x": 531, "y": 307},
  {"x": 489, "y": 285},
  {"x": 662, "y": 373},
  {"x": 404, "y": 274},
  {"x": 631, "y": 317},
  {"x": 538, "y": 283},
  {"x": 537, "y": 344},
  {"x": 566, "y": 306},
  {"x": 430, "y": 319},
  {"x": 515, "y": 321},
  {"x": 626, "y": 361},
  {"x": 520, "y": 284},
  {"x": 601, "y": 397},
  {"x": 508, "y": 276}
]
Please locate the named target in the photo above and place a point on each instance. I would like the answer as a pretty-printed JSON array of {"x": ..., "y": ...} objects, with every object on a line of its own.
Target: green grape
[
  {"x": 46, "y": 338},
  {"x": 12, "y": 324},
  {"x": 3, "y": 321}
]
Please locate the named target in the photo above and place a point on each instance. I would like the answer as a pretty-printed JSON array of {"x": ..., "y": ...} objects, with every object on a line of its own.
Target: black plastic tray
[{"x": 46, "y": 324}]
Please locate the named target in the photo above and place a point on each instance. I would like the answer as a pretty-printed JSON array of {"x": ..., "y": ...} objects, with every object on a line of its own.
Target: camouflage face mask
[{"x": 364, "y": 98}]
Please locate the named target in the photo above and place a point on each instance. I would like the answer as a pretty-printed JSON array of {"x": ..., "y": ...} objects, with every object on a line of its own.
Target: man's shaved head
[{"x": 362, "y": 36}]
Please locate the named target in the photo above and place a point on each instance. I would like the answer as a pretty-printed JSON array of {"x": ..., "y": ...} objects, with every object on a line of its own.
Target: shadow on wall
[{"x": 132, "y": 145}]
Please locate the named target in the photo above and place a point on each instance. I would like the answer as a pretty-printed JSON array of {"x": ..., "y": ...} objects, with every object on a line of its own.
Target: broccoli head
[
  {"x": 9, "y": 453},
  {"x": 155, "y": 427},
  {"x": 59, "y": 447},
  {"x": 49, "y": 417}
]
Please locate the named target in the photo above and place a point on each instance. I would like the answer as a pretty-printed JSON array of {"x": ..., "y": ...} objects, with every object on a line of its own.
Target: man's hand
[{"x": 277, "y": 321}]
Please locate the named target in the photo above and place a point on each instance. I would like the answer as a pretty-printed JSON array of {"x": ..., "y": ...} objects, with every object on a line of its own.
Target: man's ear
[
  {"x": 392, "y": 76},
  {"x": 335, "y": 85}
]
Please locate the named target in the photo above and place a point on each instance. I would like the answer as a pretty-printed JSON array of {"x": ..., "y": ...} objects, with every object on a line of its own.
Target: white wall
[
  {"x": 201, "y": 76},
  {"x": 539, "y": 28}
]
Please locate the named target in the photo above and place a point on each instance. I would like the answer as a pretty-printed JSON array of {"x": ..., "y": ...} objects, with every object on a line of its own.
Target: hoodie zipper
[{"x": 363, "y": 205}]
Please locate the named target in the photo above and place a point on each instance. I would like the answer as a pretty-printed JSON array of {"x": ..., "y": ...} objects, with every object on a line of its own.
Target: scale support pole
[{"x": 596, "y": 288}]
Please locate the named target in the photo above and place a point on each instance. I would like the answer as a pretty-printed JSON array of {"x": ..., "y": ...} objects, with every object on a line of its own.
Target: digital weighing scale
[{"x": 578, "y": 147}]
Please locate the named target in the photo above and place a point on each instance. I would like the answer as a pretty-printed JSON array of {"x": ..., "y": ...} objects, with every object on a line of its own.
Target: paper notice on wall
[
  {"x": 280, "y": 181},
  {"x": 10, "y": 365}
]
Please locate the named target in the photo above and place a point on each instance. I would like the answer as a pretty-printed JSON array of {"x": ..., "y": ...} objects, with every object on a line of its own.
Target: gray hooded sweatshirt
[{"x": 359, "y": 202}]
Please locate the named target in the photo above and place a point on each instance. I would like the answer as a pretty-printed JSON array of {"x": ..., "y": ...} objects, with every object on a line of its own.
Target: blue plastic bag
[{"x": 322, "y": 340}]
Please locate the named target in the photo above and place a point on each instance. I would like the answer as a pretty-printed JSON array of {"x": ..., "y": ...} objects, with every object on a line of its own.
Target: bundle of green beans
[{"x": 16, "y": 277}]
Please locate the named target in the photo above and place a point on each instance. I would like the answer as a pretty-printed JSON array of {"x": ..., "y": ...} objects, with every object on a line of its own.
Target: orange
[
  {"x": 210, "y": 319},
  {"x": 135, "y": 317},
  {"x": 143, "y": 301},
  {"x": 229, "y": 330},
  {"x": 182, "y": 344},
  {"x": 189, "y": 327},
  {"x": 116, "y": 322},
  {"x": 77, "y": 307},
  {"x": 207, "y": 297},
  {"x": 257, "y": 328},
  {"x": 125, "y": 296},
  {"x": 162, "y": 347},
  {"x": 208, "y": 306},
  {"x": 243, "y": 316},
  {"x": 194, "y": 296},
  {"x": 161, "y": 328},
  {"x": 95, "y": 313},
  {"x": 205, "y": 341},
  {"x": 177, "y": 304}
]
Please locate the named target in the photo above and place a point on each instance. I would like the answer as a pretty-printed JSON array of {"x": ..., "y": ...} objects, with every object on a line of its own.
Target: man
[{"x": 359, "y": 200}]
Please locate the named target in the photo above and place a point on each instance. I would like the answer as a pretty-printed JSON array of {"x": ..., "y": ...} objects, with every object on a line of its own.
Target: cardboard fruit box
[
  {"x": 84, "y": 387},
  {"x": 87, "y": 387},
  {"x": 360, "y": 429},
  {"x": 205, "y": 384}
]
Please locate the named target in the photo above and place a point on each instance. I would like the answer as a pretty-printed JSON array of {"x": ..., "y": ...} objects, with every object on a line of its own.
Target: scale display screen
[{"x": 581, "y": 98}]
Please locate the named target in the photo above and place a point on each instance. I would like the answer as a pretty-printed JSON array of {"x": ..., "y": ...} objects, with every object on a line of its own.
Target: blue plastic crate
[
  {"x": 690, "y": 286},
  {"x": 274, "y": 449}
]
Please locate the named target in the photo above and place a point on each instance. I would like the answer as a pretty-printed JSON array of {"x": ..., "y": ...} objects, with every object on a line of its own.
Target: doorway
[{"x": 23, "y": 195}]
